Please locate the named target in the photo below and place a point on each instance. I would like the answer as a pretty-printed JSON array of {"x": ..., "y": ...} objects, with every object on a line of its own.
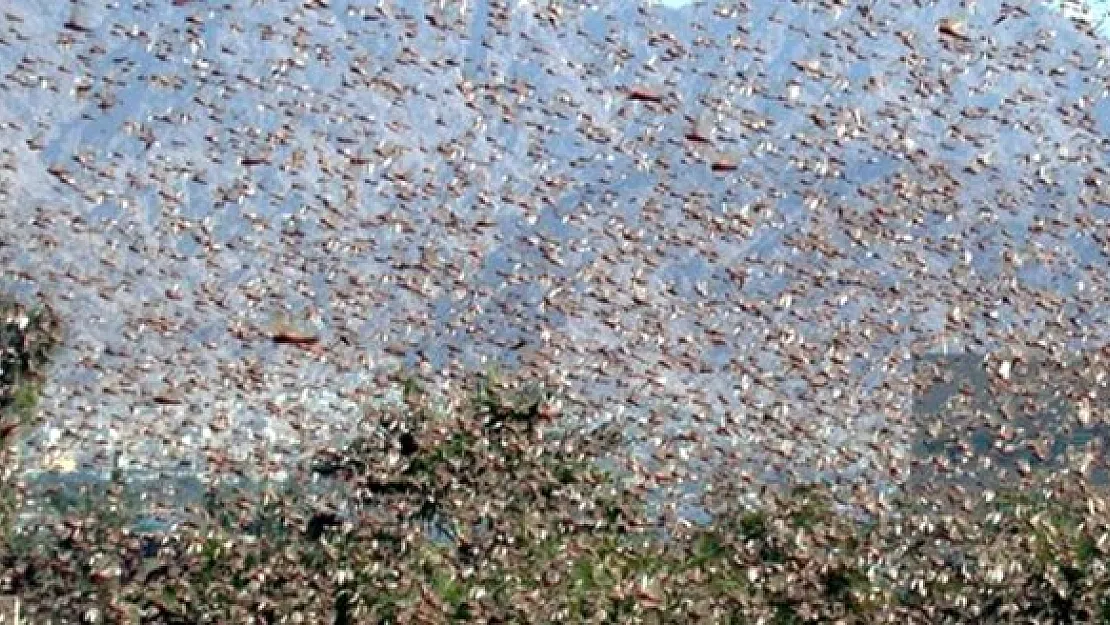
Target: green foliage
[
  {"x": 753, "y": 525},
  {"x": 487, "y": 513},
  {"x": 27, "y": 338}
]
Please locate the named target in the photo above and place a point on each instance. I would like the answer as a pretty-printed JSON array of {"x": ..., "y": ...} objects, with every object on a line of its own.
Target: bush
[
  {"x": 27, "y": 337},
  {"x": 478, "y": 511},
  {"x": 487, "y": 508}
]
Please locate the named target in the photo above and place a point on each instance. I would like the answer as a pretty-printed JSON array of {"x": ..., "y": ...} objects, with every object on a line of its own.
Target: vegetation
[
  {"x": 487, "y": 511},
  {"x": 27, "y": 337}
]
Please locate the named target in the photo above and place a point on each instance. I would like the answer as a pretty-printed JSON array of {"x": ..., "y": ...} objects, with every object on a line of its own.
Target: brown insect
[
  {"x": 723, "y": 165},
  {"x": 643, "y": 94}
]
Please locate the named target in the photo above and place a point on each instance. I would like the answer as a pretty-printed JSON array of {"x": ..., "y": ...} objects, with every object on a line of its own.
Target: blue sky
[
  {"x": 1101, "y": 6},
  {"x": 1098, "y": 8}
]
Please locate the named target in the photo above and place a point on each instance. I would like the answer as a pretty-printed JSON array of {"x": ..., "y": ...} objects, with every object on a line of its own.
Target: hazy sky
[
  {"x": 1099, "y": 8},
  {"x": 1100, "y": 11}
]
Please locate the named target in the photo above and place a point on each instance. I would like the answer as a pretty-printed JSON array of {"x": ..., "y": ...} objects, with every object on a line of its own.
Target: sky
[
  {"x": 539, "y": 287},
  {"x": 1100, "y": 9}
]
